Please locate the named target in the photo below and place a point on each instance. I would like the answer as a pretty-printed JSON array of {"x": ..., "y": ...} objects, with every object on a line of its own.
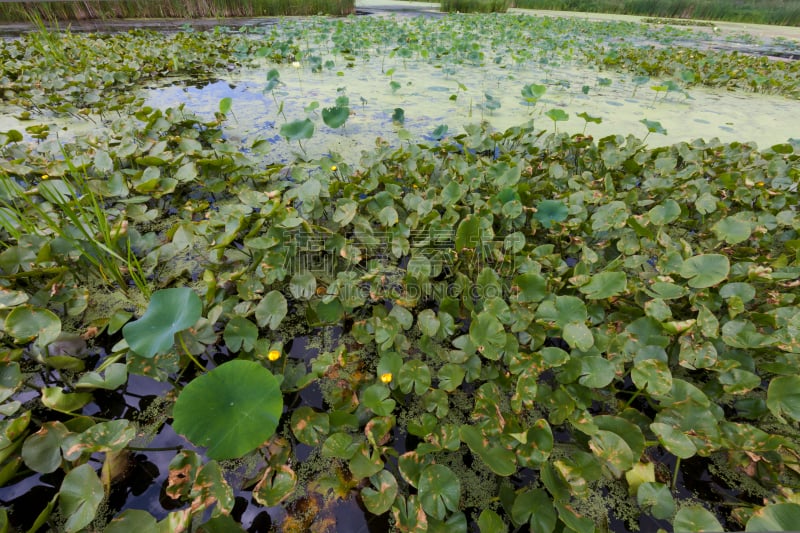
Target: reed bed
[
  {"x": 778, "y": 12},
  {"x": 117, "y": 9},
  {"x": 475, "y": 6}
]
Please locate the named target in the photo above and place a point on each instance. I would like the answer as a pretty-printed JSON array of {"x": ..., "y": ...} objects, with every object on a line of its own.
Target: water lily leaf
[
  {"x": 80, "y": 496},
  {"x": 65, "y": 402},
  {"x": 275, "y": 485},
  {"x": 674, "y": 440},
  {"x": 744, "y": 291},
  {"x": 614, "y": 450},
  {"x": 26, "y": 323},
  {"x": 468, "y": 233},
  {"x": 116, "y": 374},
  {"x": 239, "y": 403},
  {"x": 42, "y": 450},
  {"x": 10, "y": 379},
  {"x": 665, "y": 213},
  {"x": 107, "y": 437},
  {"x": 705, "y": 270},
  {"x": 414, "y": 375},
  {"x": 298, "y": 130},
  {"x": 488, "y": 334},
  {"x": 439, "y": 490},
  {"x": 732, "y": 230},
  {"x": 376, "y": 397},
  {"x": 657, "y": 498},
  {"x": 652, "y": 375},
  {"x": 490, "y": 522},
  {"x": 783, "y": 397},
  {"x": 240, "y": 334},
  {"x": 428, "y": 323},
  {"x": 694, "y": 518},
  {"x": 388, "y": 216},
  {"x": 578, "y": 335},
  {"x": 534, "y": 506},
  {"x": 339, "y": 445},
  {"x": 500, "y": 460},
  {"x": 303, "y": 285},
  {"x": 549, "y": 212},
  {"x": 775, "y": 517},
  {"x": 379, "y": 501},
  {"x": 309, "y": 426},
  {"x": 398, "y": 116},
  {"x": 335, "y": 117},
  {"x": 532, "y": 287},
  {"x": 537, "y": 446},
  {"x": 605, "y": 285},
  {"x": 743, "y": 334},
  {"x": 133, "y": 520},
  {"x": 103, "y": 162},
  {"x": 170, "y": 311},
  {"x": 346, "y": 210},
  {"x": 450, "y": 377},
  {"x": 271, "y": 310}
]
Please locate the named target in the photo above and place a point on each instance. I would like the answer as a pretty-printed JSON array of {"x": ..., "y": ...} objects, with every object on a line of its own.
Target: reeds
[
  {"x": 779, "y": 12},
  {"x": 475, "y": 6},
  {"x": 118, "y": 9}
]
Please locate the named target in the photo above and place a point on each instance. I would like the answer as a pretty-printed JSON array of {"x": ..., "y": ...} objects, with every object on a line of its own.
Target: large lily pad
[
  {"x": 705, "y": 270},
  {"x": 170, "y": 311},
  {"x": 80, "y": 496},
  {"x": 231, "y": 410},
  {"x": 439, "y": 491}
]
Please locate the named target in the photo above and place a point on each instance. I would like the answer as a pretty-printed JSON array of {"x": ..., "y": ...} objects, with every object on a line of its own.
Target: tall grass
[
  {"x": 475, "y": 6},
  {"x": 780, "y": 12},
  {"x": 114, "y": 9}
]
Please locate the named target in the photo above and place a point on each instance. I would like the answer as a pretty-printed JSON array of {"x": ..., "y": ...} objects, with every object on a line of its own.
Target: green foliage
[{"x": 231, "y": 410}]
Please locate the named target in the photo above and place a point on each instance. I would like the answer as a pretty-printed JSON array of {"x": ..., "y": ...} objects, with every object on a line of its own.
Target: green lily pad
[
  {"x": 490, "y": 522},
  {"x": 695, "y": 518},
  {"x": 439, "y": 491},
  {"x": 231, "y": 410},
  {"x": 775, "y": 517},
  {"x": 605, "y": 285},
  {"x": 380, "y": 499},
  {"x": 271, "y": 310},
  {"x": 276, "y": 485},
  {"x": 705, "y": 270},
  {"x": 26, "y": 323},
  {"x": 657, "y": 498},
  {"x": 42, "y": 450},
  {"x": 732, "y": 230},
  {"x": 80, "y": 496},
  {"x": 500, "y": 460},
  {"x": 549, "y": 212},
  {"x": 170, "y": 311},
  {"x": 783, "y": 397}
]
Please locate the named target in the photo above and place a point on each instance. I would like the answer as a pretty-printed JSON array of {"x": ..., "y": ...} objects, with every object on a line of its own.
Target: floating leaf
[
  {"x": 170, "y": 311},
  {"x": 239, "y": 403},
  {"x": 705, "y": 270},
  {"x": 783, "y": 397},
  {"x": 380, "y": 499},
  {"x": 657, "y": 498},
  {"x": 275, "y": 485},
  {"x": 775, "y": 517},
  {"x": 549, "y": 212},
  {"x": 605, "y": 285},
  {"x": 26, "y": 323},
  {"x": 271, "y": 310},
  {"x": 695, "y": 518},
  {"x": 439, "y": 491},
  {"x": 80, "y": 496}
]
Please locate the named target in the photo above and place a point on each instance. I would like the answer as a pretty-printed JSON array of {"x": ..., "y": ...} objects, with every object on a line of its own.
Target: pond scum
[{"x": 481, "y": 329}]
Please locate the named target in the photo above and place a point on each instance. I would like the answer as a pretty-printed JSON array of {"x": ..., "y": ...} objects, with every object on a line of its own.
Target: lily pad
[
  {"x": 776, "y": 517},
  {"x": 231, "y": 410},
  {"x": 170, "y": 311},
  {"x": 705, "y": 270},
  {"x": 26, "y": 323},
  {"x": 80, "y": 496},
  {"x": 439, "y": 491}
]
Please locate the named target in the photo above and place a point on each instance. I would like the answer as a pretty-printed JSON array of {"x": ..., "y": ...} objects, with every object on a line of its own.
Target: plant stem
[{"x": 188, "y": 353}]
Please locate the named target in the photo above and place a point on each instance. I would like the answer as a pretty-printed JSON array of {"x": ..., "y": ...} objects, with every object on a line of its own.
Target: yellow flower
[
  {"x": 760, "y": 184},
  {"x": 334, "y": 168},
  {"x": 274, "y": 355},
  {"x": 386, "y": 378},
  {"x": 45, "y": 176}
]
